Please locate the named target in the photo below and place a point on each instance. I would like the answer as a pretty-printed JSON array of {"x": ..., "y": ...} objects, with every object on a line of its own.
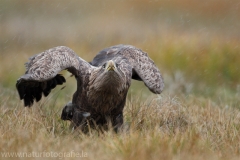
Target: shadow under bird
[{"x": 102, "y": 84}]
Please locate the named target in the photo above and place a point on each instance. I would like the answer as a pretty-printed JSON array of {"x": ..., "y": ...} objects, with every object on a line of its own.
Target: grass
[
  {"x": 194, "y": 44},
  {"x": 165, "y": 127}
]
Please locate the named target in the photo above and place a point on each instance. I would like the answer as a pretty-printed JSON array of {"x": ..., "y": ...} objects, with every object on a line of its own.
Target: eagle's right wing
[
  {"x": 143, "y": 67},
  {"x": 42, "y": 72}
]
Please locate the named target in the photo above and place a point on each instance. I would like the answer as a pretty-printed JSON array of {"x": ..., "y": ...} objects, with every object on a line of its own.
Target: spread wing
[
  {"x": 143, "y": 67},
  {"x": 42, "y": 72}
]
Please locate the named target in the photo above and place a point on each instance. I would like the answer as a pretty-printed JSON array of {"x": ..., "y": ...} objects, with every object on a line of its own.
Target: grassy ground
[
  {"x": 195, "y": 45},
  {"x": 165, "y": 127}
]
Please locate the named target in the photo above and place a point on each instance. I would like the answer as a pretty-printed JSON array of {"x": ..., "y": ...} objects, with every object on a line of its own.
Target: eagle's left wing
[{"x": 42, "y": 72}]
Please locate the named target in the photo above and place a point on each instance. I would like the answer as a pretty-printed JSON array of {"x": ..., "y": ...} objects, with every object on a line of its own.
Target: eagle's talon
[{"x": 67, "y": 112}]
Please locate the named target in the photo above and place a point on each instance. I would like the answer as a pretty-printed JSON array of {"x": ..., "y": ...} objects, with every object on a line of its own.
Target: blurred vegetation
[
  {"x": 195, "y": 44},
  {"x": 200, "y": 39}
]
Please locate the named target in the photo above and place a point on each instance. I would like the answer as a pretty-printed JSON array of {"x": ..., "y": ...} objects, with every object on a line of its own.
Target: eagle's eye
[
  {"x": 116, "y": 65},
  {"x": 104, "y": 65}
]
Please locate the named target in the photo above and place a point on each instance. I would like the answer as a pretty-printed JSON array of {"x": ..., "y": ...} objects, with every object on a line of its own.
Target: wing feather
[
  {"x": 143, "y": 66},
  {"x": 42, "y": 70}
]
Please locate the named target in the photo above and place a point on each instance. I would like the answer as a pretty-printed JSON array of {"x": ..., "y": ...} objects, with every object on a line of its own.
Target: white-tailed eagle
[{"x": 102, "y": 84}]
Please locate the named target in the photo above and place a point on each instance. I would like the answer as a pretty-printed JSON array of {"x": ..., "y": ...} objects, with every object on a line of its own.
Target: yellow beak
[{"x": 110, "y": 65}]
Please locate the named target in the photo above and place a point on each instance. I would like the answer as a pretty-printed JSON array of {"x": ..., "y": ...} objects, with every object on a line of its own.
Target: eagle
[{"x": 102, "y": 84}]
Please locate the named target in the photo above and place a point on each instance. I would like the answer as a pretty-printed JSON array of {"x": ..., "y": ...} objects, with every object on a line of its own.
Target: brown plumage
[{"x": 102, "y": 84}]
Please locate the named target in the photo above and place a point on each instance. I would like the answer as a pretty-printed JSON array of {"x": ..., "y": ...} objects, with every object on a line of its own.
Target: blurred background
[{"x": 195, "y": 44}]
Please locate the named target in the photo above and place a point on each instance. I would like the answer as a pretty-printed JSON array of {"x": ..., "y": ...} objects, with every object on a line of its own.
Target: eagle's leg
[
  {"x": 80, "y": 120},
  {"x": 117, "y": 122},
  {"x": 67, "y": 112}
]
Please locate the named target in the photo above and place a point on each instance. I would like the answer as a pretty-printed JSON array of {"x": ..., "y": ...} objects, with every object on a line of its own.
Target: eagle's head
[{"x": 112, "y": 75}]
